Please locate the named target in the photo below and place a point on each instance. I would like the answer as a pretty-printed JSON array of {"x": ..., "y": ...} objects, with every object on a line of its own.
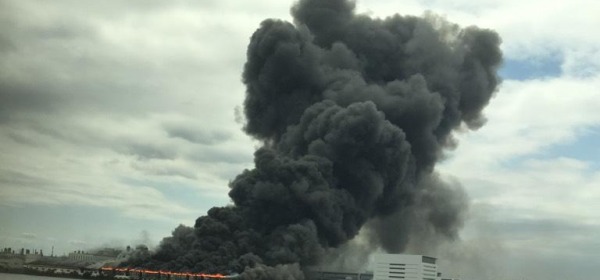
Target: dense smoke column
[
  {"x": 353, "y": 113},
  {"x": 424, "y": 75}
]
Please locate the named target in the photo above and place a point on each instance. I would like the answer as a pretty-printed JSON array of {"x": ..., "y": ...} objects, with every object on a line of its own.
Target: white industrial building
[
  {"x": 408, "y": 267},
  {"x": 389, "y": 267}
]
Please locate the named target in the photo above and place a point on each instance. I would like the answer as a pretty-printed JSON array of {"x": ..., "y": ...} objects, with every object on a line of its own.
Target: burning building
[{"x": 353, "y": 113}]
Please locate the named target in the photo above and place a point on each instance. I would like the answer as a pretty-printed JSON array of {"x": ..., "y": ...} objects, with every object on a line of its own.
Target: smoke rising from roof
[{"x": 353, "y": 114}]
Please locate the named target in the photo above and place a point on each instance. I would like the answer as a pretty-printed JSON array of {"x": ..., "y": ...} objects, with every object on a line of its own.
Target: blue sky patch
[
  {"x": 532, "y": 68},
  {"x": 583, "y": 148}
]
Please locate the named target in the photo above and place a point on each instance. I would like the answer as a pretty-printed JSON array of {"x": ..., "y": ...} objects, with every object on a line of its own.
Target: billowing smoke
[{"x": 353, "y": 114}]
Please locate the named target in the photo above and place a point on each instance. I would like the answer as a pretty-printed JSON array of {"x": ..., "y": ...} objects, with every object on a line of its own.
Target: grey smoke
[
  {"x": 353, "y": 113},
  {"x": 281, "y": 271}
]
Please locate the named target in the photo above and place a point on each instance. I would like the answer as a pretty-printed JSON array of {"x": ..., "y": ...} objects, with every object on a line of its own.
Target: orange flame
[{"x": 162, "y": 272}]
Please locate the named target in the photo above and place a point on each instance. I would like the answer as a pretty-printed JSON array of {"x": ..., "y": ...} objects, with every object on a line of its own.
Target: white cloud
[{"x": 528, "y": 116}]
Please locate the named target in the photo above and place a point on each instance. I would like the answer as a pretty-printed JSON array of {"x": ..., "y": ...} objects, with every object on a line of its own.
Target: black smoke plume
[{"x": 353, "y": 113}]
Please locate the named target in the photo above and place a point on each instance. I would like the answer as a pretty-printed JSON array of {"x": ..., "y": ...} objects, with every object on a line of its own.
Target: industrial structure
[
  {"x": 390, "y": 267},
  {"x": 409, "y": 267}
]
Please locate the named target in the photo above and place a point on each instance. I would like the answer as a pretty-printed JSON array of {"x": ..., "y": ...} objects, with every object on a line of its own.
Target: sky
[{"x": 120, "y": 120}]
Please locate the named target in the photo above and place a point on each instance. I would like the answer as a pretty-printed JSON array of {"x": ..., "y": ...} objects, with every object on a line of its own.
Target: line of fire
[{"x": 133, "y": 273}]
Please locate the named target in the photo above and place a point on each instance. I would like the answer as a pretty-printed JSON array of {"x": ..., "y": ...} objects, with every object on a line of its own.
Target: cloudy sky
[{"x": 120, "y": 120}]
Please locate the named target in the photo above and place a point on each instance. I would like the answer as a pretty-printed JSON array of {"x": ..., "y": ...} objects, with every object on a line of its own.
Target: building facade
[
  {"x": 407, "y": 267},
  {"x": 333, "y": 275}
]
